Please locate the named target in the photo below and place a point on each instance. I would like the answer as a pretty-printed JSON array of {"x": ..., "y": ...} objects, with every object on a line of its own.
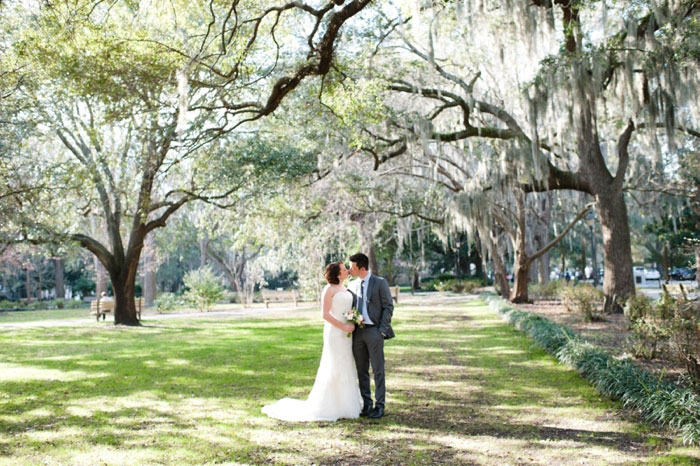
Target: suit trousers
[{"x": 368, "y": 348}]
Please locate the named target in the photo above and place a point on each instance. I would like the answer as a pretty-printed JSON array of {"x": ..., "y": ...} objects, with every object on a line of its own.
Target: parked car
[
  {"x": 677, "y": 273},
  {"x": 643, "y": 275},
  {"x": 683, "y": 273}
]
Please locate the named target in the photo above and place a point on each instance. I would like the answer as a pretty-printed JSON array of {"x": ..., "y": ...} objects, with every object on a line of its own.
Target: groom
[{"x": 375, "y": 304}]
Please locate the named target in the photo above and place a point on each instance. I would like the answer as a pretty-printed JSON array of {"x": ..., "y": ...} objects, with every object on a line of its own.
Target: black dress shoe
[
  {"x": 376, "y": 412},
  {"x": 366, "y": 411}
]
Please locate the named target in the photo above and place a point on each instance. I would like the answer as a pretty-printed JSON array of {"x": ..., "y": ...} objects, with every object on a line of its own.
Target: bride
[{"x": 336, "y": 393}]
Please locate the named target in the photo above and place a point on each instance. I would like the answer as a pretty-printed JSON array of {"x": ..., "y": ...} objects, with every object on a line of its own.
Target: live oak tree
[
  {"x": 577, "y": 91},
  {"x": 148, "y": 101}
]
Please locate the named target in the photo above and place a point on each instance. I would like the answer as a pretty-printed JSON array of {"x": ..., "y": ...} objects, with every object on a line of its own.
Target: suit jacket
[{"x": 380, "y": 306}]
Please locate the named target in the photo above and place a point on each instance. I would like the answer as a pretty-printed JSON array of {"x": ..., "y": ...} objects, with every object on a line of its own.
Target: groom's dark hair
[{"x": 361, "y": 260}]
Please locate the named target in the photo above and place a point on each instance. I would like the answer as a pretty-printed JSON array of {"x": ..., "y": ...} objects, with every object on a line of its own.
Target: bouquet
[{"x": 354, "y": 317}]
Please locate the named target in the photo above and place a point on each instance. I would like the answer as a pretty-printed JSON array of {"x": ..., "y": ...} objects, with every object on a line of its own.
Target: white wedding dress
[{"x": 336, "y": 393}]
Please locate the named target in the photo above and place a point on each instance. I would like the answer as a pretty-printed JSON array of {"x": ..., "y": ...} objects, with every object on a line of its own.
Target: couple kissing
[{"x": 342, "y": 385}]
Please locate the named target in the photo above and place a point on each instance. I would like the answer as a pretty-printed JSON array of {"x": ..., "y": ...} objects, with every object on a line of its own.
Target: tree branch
[{"x": 553, "y": 243}]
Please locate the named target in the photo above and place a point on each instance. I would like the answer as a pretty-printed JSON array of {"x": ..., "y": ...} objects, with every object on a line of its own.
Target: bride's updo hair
[{"x": 332, "y": 273}]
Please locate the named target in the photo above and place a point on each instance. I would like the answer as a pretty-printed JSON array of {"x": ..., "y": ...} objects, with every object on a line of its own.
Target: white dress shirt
[{"x": 364, "y": 282}]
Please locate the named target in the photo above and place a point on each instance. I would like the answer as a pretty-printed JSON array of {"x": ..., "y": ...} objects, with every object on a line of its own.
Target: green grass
[
  {"x": 463, "y": 387},
  {"x": 7, "y": 317}
]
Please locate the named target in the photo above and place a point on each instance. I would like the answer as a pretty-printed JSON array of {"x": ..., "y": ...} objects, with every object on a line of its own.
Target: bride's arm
[{"x": 327, "y": 300}]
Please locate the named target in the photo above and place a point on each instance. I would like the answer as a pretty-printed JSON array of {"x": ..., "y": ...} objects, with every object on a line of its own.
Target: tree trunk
[
  {"x": 457, "y": 268},
  {"x": 618, "y": 282},
  {"x": 28, "y": 284},
  {"x": 501, "y": 277},
  {"x": 697, "y": 265},
  {"x": 58, "y": 278},
  {"x": 479, "y": 261},
  {"x": 40, "y": 286},
  {"x": 149, "y": 285},
  {"x": 100, "y": 278},
  {"x": 124, "y": 283},
  {"x": 543, "y": 269},
  {"x": 521, "y": 264},
  {"x": 562, "y": 273},
  {"x": 544, "y": 228},
  {"x": 123, "y": 276},
  {"x": 534, "y": 276},
  {"x": 124, "y": 304},
  {"x": 522, "y": 279},
  {"x": 415, "y": 282},
  {"x": 499, "y": 269},
  {"x": 390, "y": 271},
  {"x": 149, "y": 273},
  {"x": 373, "y": 258},
  {"x": 583, "y": 258},
  {"x": 203, "y": 246}
]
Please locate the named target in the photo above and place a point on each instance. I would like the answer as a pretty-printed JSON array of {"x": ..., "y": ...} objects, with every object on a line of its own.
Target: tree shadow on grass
[{"x": 448, "y": 376}]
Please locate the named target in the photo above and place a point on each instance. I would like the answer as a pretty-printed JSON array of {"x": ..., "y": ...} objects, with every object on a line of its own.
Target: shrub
[
  {"x": 167, "y": 302},
  {"x": 432, "y": 283},
  {"x": 443, "y": 285},
  {"x": 637, "y": 307},
  {"x": 203, "y": 288},
  {"x": 658, "y": 401},
  {"x": 5, "y": 304},
  {"x": 584, "y": 299},
  {"x": 458, "y": 286},
  {"x": 665, "y": 307},
  {"x": 232, "y": 297},
  {"x": 551, "y": 289},
  {"x": 647, "y": 338},
  {"x": 60, "y": 304},
  {"x": 470, "y": 286},
  {"x": 671, "y": 321},
  {"x": 685, "y": 338}
]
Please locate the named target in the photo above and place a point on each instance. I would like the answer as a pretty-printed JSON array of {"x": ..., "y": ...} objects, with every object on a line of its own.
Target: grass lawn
[
  {"x": 7, "y": 317},
  {"x": 463, "y": 387}
]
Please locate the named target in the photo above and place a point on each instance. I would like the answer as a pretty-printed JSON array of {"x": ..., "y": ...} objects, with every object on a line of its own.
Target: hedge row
[{"x": 658, "y": 401}]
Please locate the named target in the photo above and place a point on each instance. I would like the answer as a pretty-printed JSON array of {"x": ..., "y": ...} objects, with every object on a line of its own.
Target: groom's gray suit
[{"x": 368, "y": 342}]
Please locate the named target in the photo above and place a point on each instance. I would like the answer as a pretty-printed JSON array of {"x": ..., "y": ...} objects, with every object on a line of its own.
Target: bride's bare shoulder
[{"x": 329, "y": 291}]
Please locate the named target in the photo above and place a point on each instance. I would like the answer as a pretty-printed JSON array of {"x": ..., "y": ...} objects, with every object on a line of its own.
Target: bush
[
  {"x": 658, "y": 401},
  {"x": 684, "y": 338},
  {"x": 584, "y": 299},
  {"x": 549, "y": 290},
  {"x": 232, "y": 297},
  {"x": 665, "y": 307},
  {"x": 470, "y": 286},
  {"x": 458, "y": 286},
  {"x": 7, "y": 305},
  {"x": 637, "y": 307},
  {"x": 667, "y": 321},
  {"x": 648, "y": 336},
  {"x": 203, "y": 288},
  {"x": 446, "y": 285},
  {"x": 167, "y": 302}
]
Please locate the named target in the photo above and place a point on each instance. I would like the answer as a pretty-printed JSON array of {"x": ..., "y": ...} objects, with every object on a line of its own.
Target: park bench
[
  {"x": 279, "y": 296},
  {"x": 394, "y": 293},
  {"x": 100, "y": 307}
]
